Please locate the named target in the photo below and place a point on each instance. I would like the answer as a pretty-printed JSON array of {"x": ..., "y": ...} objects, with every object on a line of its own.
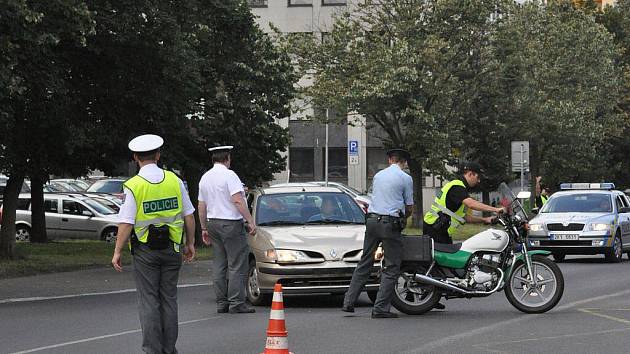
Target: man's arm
[
  {"x": 122, "y": 237},
  {"x": 189, "y": 247},
  {"x": 538, "y": 189},
  {"x": 475, "y": 205},
  {"x": 241, "y": 206},
  {"x": 201, "y": 207}
]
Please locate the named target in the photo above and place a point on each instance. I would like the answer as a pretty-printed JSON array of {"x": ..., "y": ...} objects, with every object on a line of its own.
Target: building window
[
  {"x": 301, "y": 164},
  {"x": 300, "y": 2},
  {"x": 257, "y": 3},
  {"x": 334, "y": 2},
  {"x": 338, "y": 165}
]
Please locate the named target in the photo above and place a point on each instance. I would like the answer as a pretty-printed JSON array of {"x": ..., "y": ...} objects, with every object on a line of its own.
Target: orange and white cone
[{"x": 277, "y": 336}]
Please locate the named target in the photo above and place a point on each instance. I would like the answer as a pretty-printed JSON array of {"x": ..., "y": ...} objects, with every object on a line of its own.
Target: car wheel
[
  {"x": 558, "y": 257},
  {"x": 614, "y": 254},
  {"x": 254, "y": 295},
  {"x": 22, "y": 233},
  {"x": 109, "y": 235}
]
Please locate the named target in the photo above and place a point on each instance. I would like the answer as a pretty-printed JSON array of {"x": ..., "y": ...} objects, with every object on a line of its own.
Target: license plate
[{"x": 565, "y": 237}]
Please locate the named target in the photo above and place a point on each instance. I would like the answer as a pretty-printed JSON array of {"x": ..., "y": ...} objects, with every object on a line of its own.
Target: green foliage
[{"x": 560, "y": 81}]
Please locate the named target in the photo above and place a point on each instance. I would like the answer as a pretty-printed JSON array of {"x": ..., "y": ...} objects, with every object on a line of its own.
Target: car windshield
[
  {"x": 307, "y": 208},
  {"x": 99, "y": 207},
  {"x": 579, "y": 203},
  {"x": 108, "y": 203},
  {"x": 106, "y": 186}
]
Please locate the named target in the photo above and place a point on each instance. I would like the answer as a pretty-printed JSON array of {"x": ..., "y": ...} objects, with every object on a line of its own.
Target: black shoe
[
  {"x": 384, "y": 315},
  {"x": 346, "y": 308},
  {"x": 242, "y": 309},
  {"x": 439, "y": 306},
  {"x": 223, "y": 309}
]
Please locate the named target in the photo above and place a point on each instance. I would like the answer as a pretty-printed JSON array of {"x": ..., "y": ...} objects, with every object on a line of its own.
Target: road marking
[
  {"x": 608, "y": 317},
  {"x": 91, "y": 339},
  {"x": 477, "y": 331},
  {"x": 123, "y": 291},
  {"x": 608, "y": 331}
]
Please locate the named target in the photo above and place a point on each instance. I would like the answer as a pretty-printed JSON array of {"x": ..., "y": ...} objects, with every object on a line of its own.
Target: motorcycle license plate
[{"x": 565, "y": 237}]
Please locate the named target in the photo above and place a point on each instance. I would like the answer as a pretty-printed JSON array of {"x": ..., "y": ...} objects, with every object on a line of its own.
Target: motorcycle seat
[{"x": 446, "y": 247}]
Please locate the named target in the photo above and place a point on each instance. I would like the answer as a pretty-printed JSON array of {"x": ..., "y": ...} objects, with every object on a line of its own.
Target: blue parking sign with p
[{"x": 353, "y": 147}]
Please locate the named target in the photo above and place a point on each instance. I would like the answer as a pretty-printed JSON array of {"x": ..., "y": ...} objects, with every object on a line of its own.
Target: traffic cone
[{"x": 277, "y": 339}]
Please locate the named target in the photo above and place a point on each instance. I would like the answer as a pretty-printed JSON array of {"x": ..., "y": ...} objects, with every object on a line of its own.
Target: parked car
[
  {"x": 109, "y": 185},
  {"x": 3, "y": 185},
  {"x": 76, "y": 184},
  {"x": 309, "y": 239},
  {"x": 68, "y": 216},
  {"x": 583, "y": 218}
]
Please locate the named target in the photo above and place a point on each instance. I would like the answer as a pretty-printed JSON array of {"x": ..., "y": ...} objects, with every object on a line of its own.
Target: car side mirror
[
  {"x": 535, "y": 211},
  {"x": 624, "y": 210},
  {"x": 87, "y": 213}
]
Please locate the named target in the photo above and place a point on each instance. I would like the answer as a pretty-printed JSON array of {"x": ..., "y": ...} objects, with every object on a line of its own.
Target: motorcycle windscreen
[{"x": 511, "y": 202}]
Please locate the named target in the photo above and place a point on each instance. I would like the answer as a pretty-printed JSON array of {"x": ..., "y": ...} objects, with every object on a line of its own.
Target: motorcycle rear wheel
[
  {"x": 542, "y": 298},
  {"x": 413, "y": 298}
]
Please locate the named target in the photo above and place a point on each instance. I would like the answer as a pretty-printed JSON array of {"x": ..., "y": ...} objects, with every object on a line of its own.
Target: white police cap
[
  {"x": 220, "y": 148},
  {"x": 144, "y": 143}
]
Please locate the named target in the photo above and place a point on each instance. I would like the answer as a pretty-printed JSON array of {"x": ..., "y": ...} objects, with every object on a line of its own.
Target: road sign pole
[
  {"x": 326, "y": 151},
  {"x": 522, "y": 168}
]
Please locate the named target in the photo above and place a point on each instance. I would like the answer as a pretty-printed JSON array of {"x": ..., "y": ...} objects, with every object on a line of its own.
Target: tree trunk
[
  {"x": 38, "y": 216},
  {"x": 416, "y": 173},
  {"x": 534, "y": 161},
  {"x": 192, "y": 180},
  {"x": 7, "y": 233}
]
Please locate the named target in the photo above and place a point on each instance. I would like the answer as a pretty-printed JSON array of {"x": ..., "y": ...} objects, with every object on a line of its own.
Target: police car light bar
[{"x": 568, "y": 186}]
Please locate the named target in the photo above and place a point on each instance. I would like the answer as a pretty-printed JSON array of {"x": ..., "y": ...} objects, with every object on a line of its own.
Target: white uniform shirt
[
  {"x": 153, "y": 174},
  {"x": 216, "y": 188}
]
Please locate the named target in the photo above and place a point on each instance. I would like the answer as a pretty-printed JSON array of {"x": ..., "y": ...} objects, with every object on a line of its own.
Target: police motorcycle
[{"x": 491, "y": 261}]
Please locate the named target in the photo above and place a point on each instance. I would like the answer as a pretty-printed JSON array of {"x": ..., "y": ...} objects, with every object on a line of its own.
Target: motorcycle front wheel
[
  {"x": 540, "y": 297},
  {"x": 414, "y": 298}
]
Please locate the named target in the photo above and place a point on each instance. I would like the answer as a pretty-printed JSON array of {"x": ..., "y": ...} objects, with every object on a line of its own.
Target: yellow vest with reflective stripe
[
  {"x": 440, "y": 205},
  {"x": 157, "y": 204},
  {"x": 543, "y": 199}
]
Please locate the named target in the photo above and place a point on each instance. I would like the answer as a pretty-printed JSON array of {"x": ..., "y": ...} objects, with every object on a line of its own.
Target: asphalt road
[{"x": 592, "y": 317}]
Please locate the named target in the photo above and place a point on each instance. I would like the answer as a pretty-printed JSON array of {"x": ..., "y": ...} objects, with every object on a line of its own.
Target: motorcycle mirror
[{"x": 524, "y": 195}]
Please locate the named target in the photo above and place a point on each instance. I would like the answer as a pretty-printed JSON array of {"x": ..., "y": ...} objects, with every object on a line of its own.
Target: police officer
[
  {"x": 448, "y": 211},
  {"x": 542, "y": 193},
  {"x": 392, "y": 193},
  {"x": 156, "y": 211},
  {"x": 222, "y": 202}
]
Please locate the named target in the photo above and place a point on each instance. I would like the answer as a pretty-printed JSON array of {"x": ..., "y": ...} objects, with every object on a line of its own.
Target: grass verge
[{"x": 66, "y": 255}]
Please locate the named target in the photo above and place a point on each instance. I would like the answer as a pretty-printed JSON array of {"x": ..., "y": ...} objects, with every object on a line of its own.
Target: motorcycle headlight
[
  {"x": 535, "y": 227},
  {"x": 290, "y": 256},
  {"x": 600, "y": 227}
]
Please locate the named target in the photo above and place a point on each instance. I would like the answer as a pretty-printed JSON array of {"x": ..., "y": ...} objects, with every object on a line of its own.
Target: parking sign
[{"x": 353, "y": 148}]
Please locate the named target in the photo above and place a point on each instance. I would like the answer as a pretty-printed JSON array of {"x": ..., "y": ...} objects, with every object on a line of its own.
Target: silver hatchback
[{"x": 78, "y": 217}]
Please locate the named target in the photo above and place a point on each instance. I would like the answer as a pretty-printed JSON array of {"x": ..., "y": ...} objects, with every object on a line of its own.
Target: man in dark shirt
[{"x": 448, "y": 211}]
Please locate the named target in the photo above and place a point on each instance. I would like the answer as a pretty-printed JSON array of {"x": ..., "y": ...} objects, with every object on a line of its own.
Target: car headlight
[
  {"x": 287, "y": 256},
  {"x": 600, "y": 227},
  {"x": 535, "y": 227}
]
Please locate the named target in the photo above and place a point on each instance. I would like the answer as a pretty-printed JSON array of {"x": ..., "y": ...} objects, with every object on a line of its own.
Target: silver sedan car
[
  {"x": 68, "y": 216},
  {"x": 309, "y": 239}
]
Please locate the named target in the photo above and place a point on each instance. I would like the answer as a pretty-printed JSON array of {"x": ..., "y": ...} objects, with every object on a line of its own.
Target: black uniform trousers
[
  {"x": 378, "y": 230},
  {"x": 438, "y": 234}
]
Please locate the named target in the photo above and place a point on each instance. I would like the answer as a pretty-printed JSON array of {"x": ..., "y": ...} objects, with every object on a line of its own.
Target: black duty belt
[{"x": 382, "y": 217}]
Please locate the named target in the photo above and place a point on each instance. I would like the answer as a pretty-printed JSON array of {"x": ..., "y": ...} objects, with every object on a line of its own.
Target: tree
[
  {"x": 560, "y": 76},
  {"x": 405, "y": 66},
  {"x": 34, "y": 94}
]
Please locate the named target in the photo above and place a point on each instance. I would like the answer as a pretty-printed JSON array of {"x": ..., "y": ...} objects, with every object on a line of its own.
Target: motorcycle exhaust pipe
[{"x": 428, "y": 280}]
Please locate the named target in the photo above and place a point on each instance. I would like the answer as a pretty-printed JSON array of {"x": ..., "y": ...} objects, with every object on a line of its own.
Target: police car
[{"x": 583, "y": 218}]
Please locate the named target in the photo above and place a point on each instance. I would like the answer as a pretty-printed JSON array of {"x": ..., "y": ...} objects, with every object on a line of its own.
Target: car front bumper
[
  {"x": 584, "y": 245},
  {"x": 327, "y": 277}
]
